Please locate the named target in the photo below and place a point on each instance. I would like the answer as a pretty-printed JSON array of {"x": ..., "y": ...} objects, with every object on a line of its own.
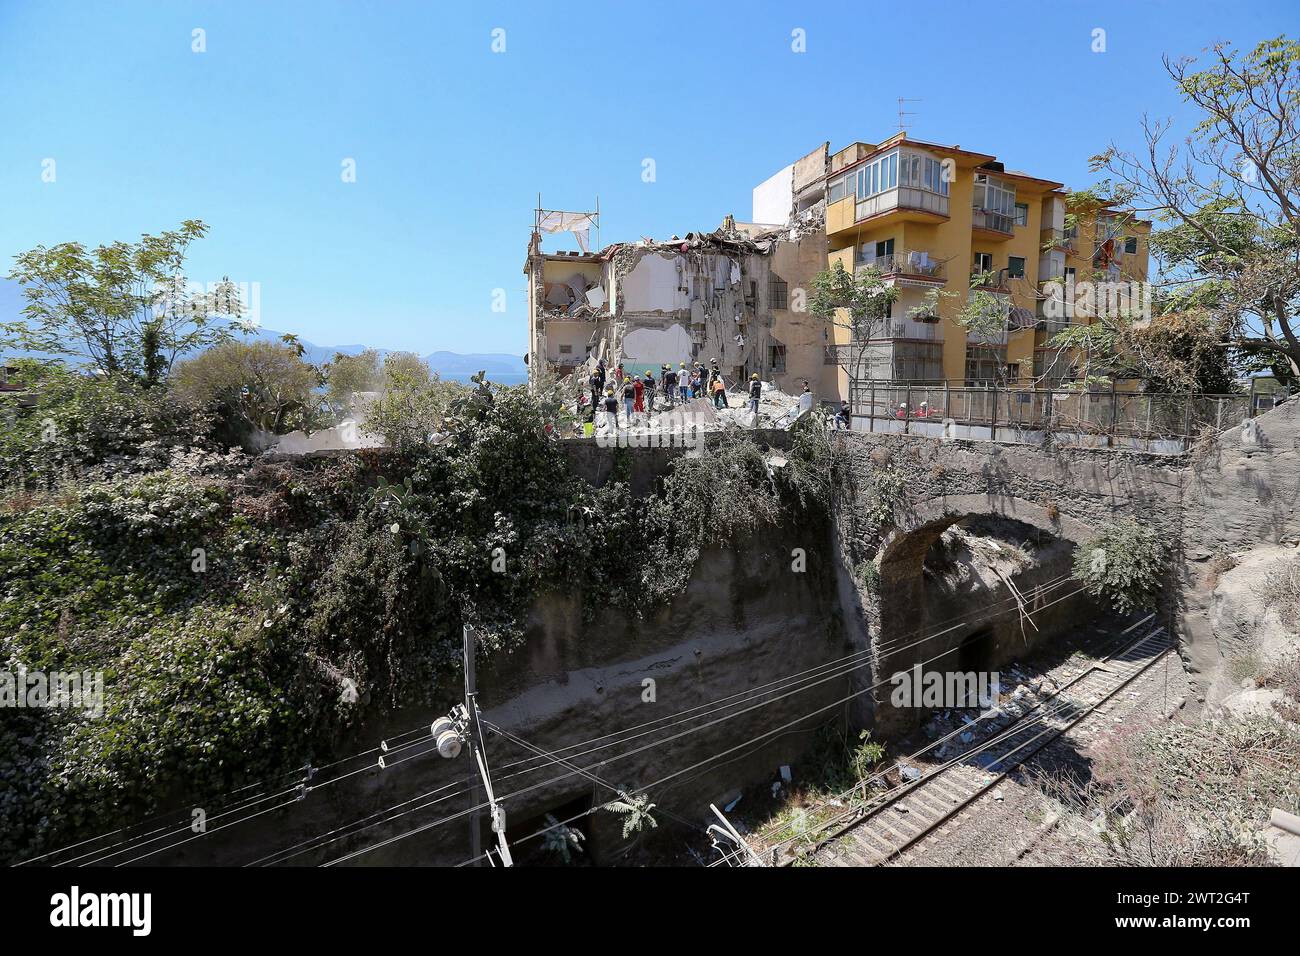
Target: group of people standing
[{"x": 636, "y": 393}]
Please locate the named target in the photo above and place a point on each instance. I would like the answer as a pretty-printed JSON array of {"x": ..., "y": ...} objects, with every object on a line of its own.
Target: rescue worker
[
  {"x": 629, "y": 399},
  {"x": 638, "y": 394},
  {"x": 755, "y": 393},
  {"x": 805, "y": 399},
  {"x": 611, "y": 407},
  {"x": 719, "y": 392}
]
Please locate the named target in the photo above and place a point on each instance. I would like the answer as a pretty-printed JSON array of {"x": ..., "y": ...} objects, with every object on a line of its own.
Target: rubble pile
[{"x": 776, "y": 409}]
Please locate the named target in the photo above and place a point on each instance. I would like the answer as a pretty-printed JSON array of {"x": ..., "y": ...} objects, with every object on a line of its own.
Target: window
[
  {"x": 1016, "y": 267},
  {"x": 983, "y": 262},
  {"x": 1070, "y": 273},
  {"x": 846, "y": 185},
  {"x": 778, "y": 292},
  {"x": 1131, "y": 246},
  {"x": 776, "y": 358},
  {"x": 935, "y": 181},
  {"x": 983, "y": 363},
  {"x": 1022, "y": 214},
  {"x": 873, "y": 177},
  {"x": 872, "y": 251},
  {"x": 992, "y": 195},
  {"x": 917, "y": 361},
  {"x": 566, "y": 349}
]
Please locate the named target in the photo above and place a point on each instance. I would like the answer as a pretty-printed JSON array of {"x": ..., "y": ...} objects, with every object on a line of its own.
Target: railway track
[{"x": 892, "y": 822}]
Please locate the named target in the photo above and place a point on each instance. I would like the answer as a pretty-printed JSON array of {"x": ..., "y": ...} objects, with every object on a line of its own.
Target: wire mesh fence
[{"x": 1167, "y": 421}]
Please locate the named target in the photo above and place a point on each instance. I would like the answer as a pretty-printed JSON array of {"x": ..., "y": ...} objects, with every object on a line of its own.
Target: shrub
[
  {"x": 1124, "y": 564},
  {"x": 77, "y": 421}
]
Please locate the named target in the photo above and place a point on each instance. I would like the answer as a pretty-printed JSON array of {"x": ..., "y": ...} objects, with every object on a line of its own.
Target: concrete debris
[
  {"x": 909, "y": 773},
  {"x": 776, "y": 409}
]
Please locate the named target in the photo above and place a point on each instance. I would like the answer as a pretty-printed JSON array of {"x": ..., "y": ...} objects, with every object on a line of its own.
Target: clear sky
[{"x": 452, "y": 142}]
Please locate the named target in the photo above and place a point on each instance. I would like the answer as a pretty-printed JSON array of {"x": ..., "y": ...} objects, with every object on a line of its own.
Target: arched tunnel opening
[
  {"x": 975, "y": 652},
  {"x": 967, "y": 594}
]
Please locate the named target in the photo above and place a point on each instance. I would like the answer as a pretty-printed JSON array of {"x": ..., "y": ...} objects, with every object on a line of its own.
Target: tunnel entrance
[
  {"x": 975, "y": 653},
  {"x": 984, "y": 572}
]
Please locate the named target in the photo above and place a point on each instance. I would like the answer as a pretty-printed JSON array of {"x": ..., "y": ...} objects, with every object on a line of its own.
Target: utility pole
[{"x": 480, "y": 778}]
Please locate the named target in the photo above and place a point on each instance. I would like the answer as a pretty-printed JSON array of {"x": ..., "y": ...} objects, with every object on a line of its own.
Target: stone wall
[{"x": 748, "y": 619}]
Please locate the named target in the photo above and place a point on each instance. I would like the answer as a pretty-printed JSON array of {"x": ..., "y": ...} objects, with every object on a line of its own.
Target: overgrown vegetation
[
  {"x": 1189, "y": 795},
  {"x": 246, "y": 613},
  {"x": 1124, "y": 564}
]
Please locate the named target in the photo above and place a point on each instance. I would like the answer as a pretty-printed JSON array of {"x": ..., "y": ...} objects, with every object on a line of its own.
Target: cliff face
[
  {"x": 671, "y": 698},
  {"x": 1240, "y": 500},
  {"x": 668, "y": 703}
]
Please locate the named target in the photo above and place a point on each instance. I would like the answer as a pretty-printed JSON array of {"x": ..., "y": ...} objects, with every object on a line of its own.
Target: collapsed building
[{"x": 736, "y": 295}]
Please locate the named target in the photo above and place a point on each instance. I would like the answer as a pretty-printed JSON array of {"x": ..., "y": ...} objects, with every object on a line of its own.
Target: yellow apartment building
[{"x": 929, "y": 216}]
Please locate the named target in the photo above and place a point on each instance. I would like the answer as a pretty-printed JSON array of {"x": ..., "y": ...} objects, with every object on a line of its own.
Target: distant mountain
[{"x": 500, "y": 366}]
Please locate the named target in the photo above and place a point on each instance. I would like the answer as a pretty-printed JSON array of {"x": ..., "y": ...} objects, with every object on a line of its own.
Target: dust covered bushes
[{"x": 246, "y": 613}]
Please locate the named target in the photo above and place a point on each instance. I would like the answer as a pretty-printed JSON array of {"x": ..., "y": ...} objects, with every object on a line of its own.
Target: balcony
[
  {"x": 907, "y": 265},
  {"x": 1049, "y": 325},
  {"x": 1059, "y": 240},
  {"x": 901, "y": 203},
  {"x": 995, "y": 282},
  {"x": 913, "y": 329},
  {"x": 991, "y": 223}
]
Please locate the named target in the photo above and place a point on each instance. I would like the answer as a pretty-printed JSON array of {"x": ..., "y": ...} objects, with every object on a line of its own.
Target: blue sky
[{"x": 452, "y": 142}]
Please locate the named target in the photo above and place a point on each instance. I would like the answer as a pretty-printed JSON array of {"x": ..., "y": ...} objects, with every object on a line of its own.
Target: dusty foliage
[
  {"x": 1281, "y": 591},
  {"x": 1197, "y": 795},
  {"x": 246, "y": 614},
  {"x": 1124, "y": 564}
]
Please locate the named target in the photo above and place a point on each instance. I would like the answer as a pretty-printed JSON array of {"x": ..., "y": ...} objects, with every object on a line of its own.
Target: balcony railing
[
  {"x": 901, "y": 197},
  {"x": 996, "y": 282},
  {"x": 1050, "y": 327},
  {"x": 991, "y": 221},
  {"x": 1059, "y": 239},
  {"x": 904, "y": 264}
]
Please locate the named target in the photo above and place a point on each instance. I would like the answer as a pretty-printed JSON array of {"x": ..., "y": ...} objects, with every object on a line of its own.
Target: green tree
[
  {"x": 857, "y": 302},
  {"x": 406, "y": 368},
  {"x": 348, "y": 374},
  {"x": 1228, "y": 195},
  {"x": 122, "y": 307},
  {"x": 256, "y": 386}
]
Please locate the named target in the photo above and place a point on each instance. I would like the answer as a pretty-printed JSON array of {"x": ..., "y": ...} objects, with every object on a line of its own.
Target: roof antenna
[{"x": 902, "y": 125}]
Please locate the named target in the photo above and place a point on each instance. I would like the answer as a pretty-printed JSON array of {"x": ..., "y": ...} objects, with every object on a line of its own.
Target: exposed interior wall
[
  {"x": 774, "y": 197},
  {"x": 719, "y": 299},
  {"x": 803, "y": 334}
]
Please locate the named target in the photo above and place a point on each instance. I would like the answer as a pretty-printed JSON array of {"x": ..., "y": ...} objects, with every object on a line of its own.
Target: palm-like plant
[{"x": 636, "y": 812}]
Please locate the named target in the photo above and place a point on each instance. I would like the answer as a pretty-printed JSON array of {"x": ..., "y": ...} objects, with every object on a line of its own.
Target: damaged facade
[{"x": 731, "y": 295}]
